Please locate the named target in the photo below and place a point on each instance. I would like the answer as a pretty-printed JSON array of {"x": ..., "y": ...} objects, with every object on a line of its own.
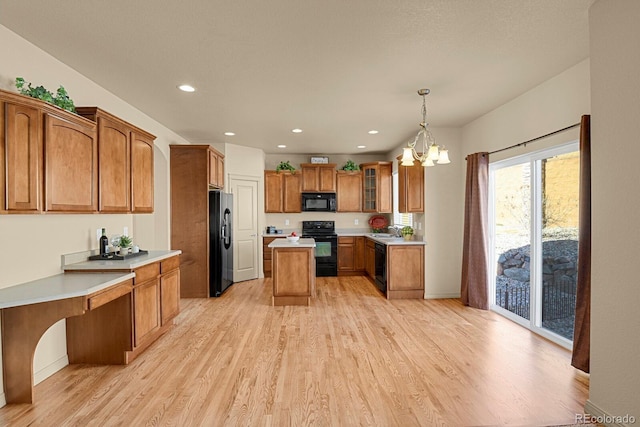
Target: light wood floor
[{"x": 351, "y": 358}]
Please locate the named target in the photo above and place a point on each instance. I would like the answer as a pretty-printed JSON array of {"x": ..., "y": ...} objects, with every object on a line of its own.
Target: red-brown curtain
[
  {"x": 582, "y": 326},
  {"x": 474, "y": 288}
]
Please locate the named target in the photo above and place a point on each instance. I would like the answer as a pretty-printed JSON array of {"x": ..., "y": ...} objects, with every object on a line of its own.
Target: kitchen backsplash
[{"x": 342, "y": 220}]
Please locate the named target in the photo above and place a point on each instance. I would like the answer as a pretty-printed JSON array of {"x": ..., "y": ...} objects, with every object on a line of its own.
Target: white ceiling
[{"x": 334, "y": 68}]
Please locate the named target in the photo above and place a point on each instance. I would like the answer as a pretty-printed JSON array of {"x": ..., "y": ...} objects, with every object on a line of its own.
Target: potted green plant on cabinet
[
  {"x": 350, "y": 166},
  {"x": 60, "y": 99},
  {"x": 285, "y": 166}
]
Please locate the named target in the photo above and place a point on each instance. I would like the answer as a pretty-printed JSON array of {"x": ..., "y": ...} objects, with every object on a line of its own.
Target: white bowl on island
[{"x": 293, "y": 239}]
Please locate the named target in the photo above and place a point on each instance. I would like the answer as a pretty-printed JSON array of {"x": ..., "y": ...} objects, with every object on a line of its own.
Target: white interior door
[{"x": 245, "y": 252}]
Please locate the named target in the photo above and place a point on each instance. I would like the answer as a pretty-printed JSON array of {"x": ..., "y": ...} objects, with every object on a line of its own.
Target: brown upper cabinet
[
  {"x": 282, "y": 192},
  {"x": 216, "y": 169},
  {"x": 318, "y": 177},
  {"x": 349, "y": 191},
  {"x": 377, "y": 187},
  {"x": 71, "y": 164},
  {"x": 125, "y": 155},
  {"x": 141, "y": 172},
  {"x": 48, "y": 158},
  {"x": 410, "y": 188},
  {"x": 52, "y": 160},
  {"x": 21, "y": 157}
]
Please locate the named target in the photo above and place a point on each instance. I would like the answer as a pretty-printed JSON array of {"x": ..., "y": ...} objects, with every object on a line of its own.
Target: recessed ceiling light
[
  {"x": 362, "y": 146},
  {"x": 282, "y": 146},
  {"x": 296, "y": 130},
  {"x": 230, "y": 134},
  {"x": 187, "y": 88},
  {"x": 373, "y": 132}
]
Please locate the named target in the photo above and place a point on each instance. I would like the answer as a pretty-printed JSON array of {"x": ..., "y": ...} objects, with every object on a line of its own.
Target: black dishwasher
[{"x": 381, "y": 267}]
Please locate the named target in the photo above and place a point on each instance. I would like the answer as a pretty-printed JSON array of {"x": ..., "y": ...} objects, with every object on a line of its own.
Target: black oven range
[{"x": 326, "y": 251}]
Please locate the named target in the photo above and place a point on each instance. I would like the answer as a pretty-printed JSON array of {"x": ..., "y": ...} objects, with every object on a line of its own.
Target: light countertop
[
  {"x": 394, "y": 240},
  {"x": 384, "y": 238},
  {"x": 58, "y": 287},
  {"x": 78, "y": 284},
  {"x": 284, "y": 243},
  {"x": 127, "y": 264}
]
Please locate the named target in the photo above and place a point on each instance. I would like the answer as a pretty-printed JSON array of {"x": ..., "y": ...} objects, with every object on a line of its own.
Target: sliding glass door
[{"x": 534, "y": 239}]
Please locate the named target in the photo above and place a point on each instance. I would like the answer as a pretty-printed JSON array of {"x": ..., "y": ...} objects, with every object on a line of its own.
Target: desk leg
[{"x": 22, "y": 328}]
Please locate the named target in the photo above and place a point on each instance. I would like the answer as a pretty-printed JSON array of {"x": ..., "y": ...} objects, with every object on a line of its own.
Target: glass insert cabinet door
[
  {"x": 370, "y": 189},
  {"x": 323, "y": 249}
]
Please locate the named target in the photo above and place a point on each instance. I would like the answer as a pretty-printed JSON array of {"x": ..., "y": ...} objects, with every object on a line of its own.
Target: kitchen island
[{"x": 294, "y": 271}]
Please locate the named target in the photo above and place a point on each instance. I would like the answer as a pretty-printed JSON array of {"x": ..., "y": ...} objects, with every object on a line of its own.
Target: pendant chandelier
[{"x": 431, "y": 152}]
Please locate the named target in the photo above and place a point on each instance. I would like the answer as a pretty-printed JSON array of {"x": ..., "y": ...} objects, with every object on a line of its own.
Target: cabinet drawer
[
  {"x": 346, "y": 240},
  {"x": 112, "y": 293},
  {"x": 147, "y": 272},
  {"x": 169, "y": 264}
]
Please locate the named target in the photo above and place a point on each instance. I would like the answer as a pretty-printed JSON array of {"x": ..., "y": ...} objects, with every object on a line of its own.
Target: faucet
[{"x": 395, "y": 231}]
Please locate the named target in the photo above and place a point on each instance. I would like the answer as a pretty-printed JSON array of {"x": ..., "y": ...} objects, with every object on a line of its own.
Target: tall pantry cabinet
[{"x": 195, "y": 169}]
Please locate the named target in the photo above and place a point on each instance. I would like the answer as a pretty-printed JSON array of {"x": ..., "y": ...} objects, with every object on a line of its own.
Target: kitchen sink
[{"x": 382, "y": 235}]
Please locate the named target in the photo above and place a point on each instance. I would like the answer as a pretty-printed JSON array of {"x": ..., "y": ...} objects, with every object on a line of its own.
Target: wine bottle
[{"x": 104, "y": 244}]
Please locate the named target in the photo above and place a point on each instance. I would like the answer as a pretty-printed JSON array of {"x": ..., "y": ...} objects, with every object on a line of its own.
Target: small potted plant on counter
[
  {"x": 407, "y": 232},
  {"x": 125, "y": 242}
]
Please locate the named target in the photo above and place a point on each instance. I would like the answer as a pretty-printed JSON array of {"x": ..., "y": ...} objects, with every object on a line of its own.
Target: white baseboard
[
  {"x": 442, "y": 296},
  {"x": 42, "y": 375},
  {"x": 601, "y": 417},
  {"x": 50, "y": 369}
]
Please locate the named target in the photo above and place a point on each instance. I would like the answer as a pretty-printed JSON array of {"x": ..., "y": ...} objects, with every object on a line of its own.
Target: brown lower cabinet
[
  {"x": 266, "y": 255},
  {"x": 156, "y": 299},
  {"x": 405, "y": 271},
  {"x": 351, "y": 259},
  {"x": 153, "y": 301}
]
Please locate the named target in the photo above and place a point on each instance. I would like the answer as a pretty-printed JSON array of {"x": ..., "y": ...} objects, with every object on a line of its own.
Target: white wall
[
  {"x": 553, "y": 105},
  {"x": 38, "y": 241},
  {"x": 615, "y": 130},
  {"x": 442, "y": 220}
]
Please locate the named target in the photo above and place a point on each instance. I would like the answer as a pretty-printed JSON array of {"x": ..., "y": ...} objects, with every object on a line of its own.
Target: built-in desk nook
[{"x": 114, "y": 310}]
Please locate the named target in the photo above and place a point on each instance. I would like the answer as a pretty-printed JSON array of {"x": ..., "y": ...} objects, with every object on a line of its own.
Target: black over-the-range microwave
[{"x": 318, "y": 202}]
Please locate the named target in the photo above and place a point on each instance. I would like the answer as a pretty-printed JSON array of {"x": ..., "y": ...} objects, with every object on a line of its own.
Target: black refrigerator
[{"x": 220, "y": 242}]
